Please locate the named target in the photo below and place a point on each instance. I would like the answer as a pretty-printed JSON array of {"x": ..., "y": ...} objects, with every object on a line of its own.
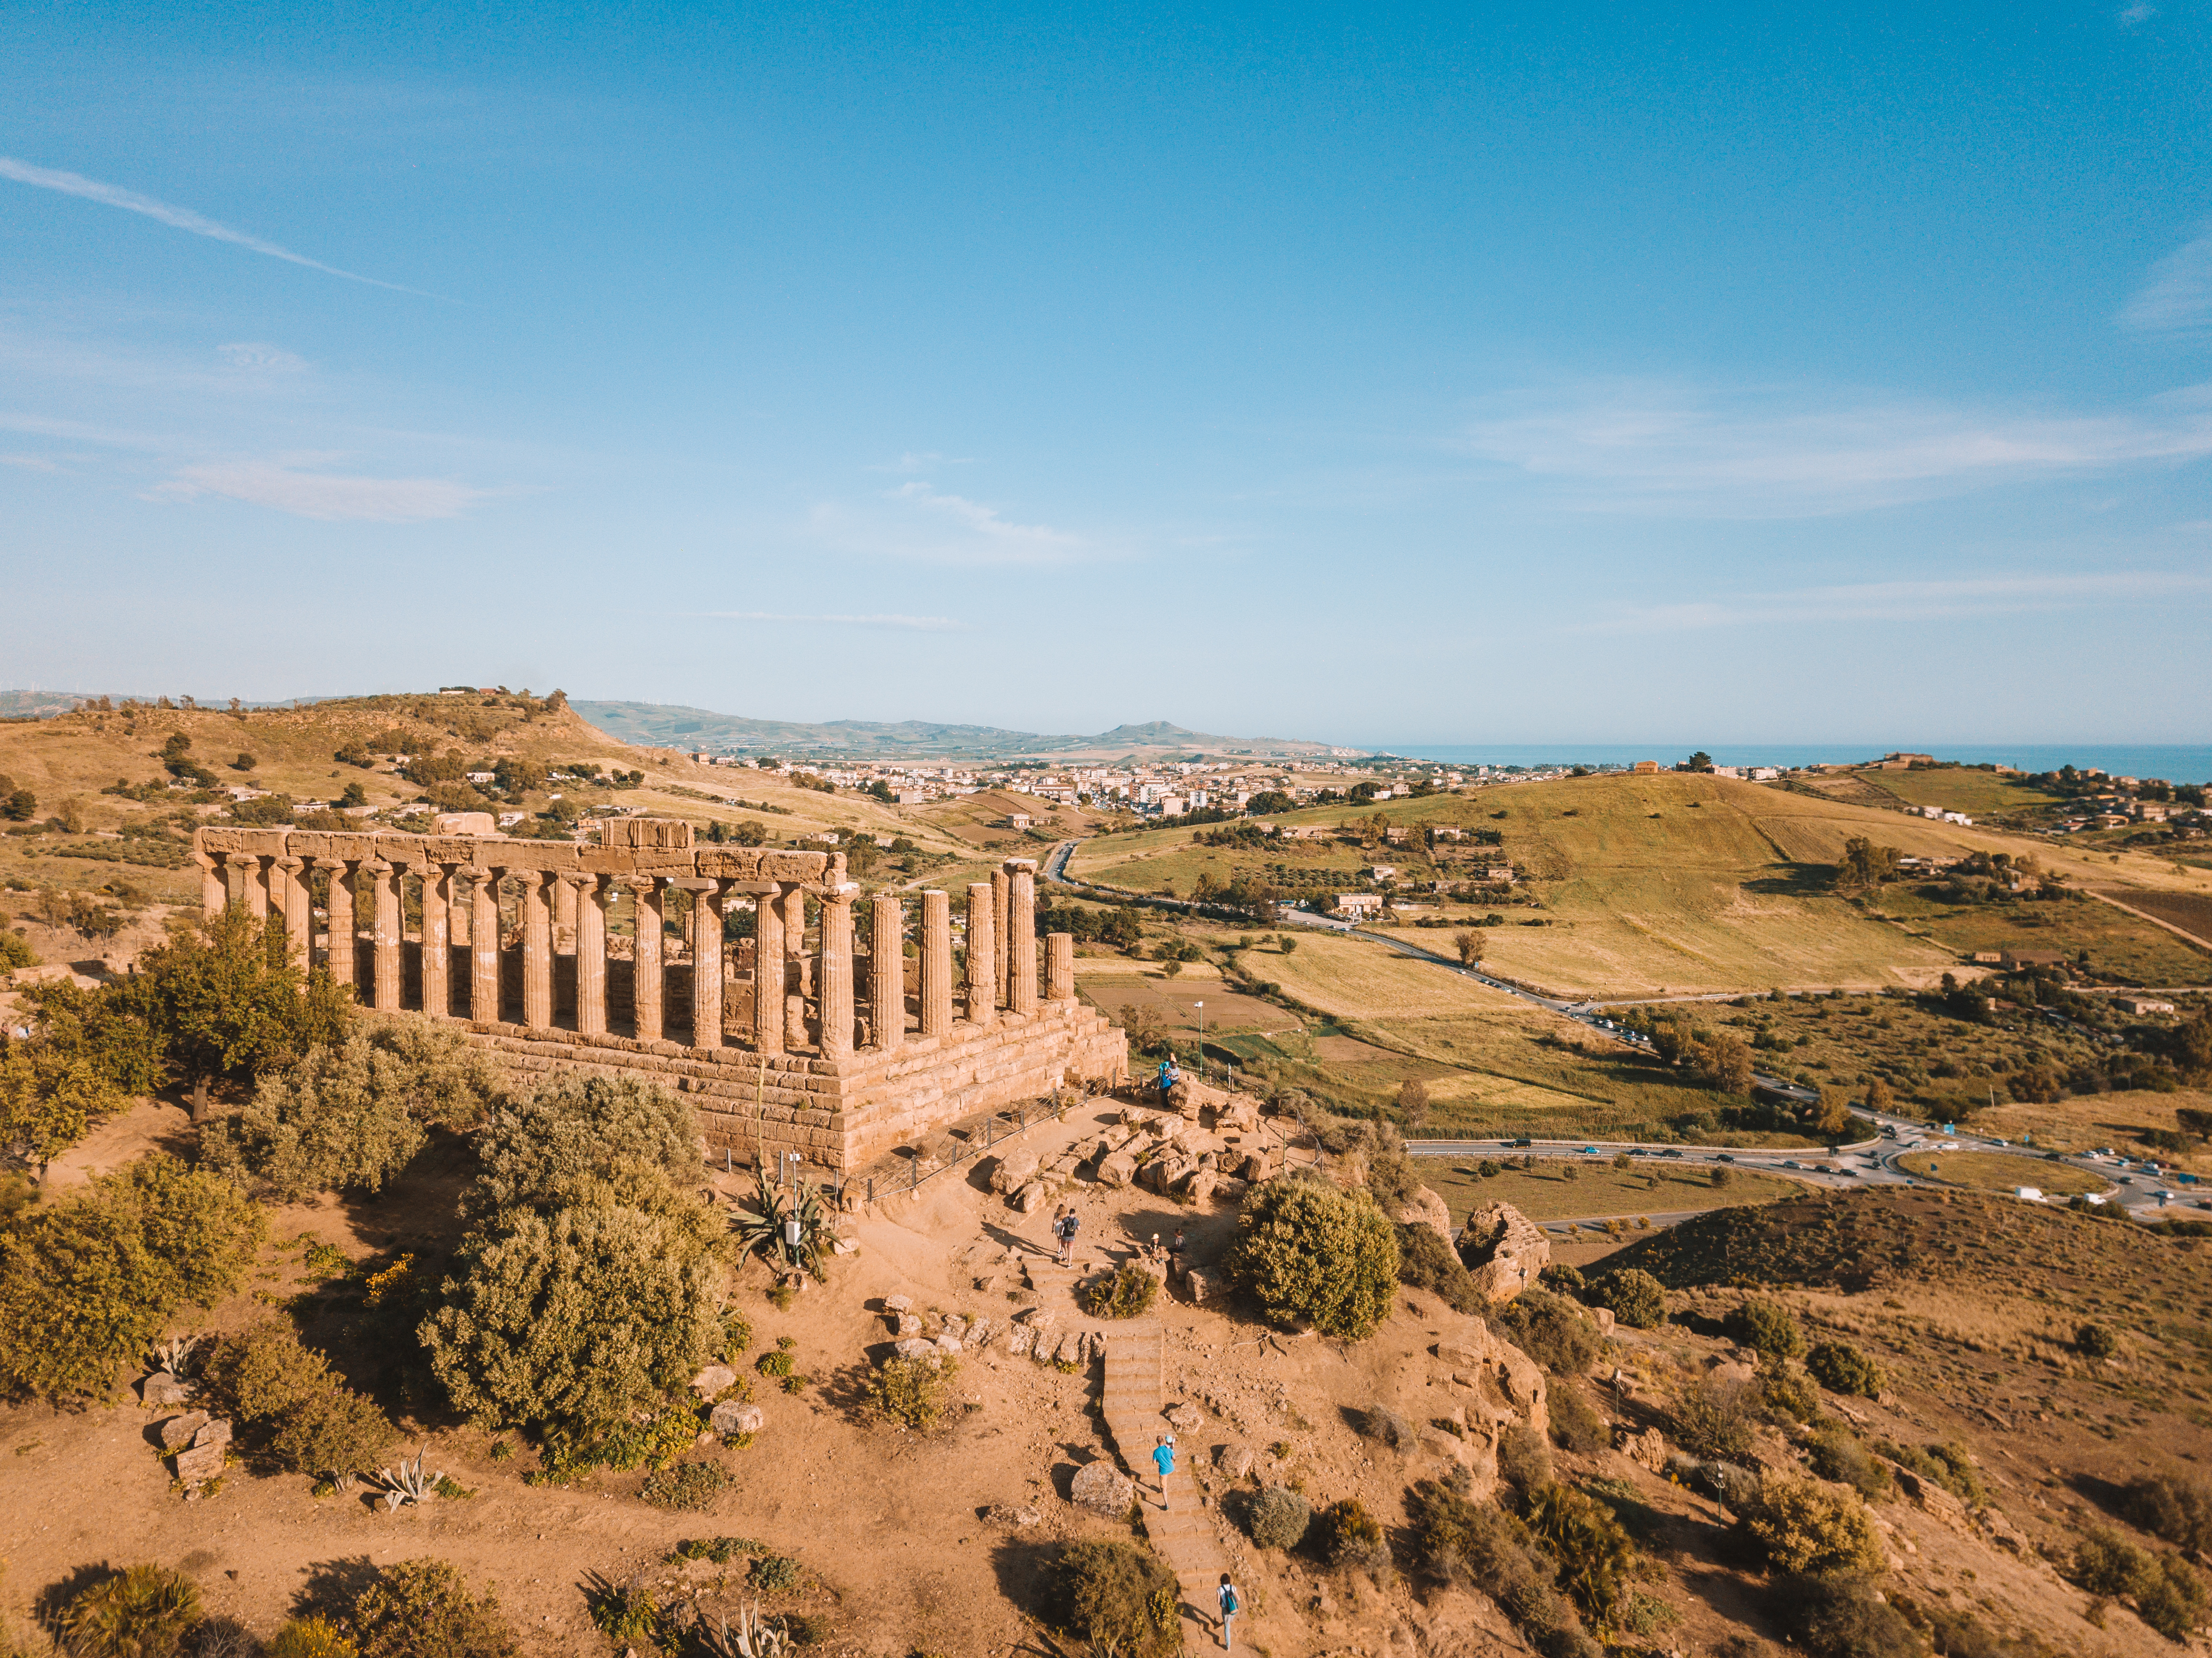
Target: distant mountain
[
  {"x": 661, "y": 725},
  {"x": 45, "y": 705}
]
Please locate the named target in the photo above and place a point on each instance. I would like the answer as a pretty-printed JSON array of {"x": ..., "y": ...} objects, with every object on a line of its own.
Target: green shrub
[
  {"x": 311, "y": 1637},
  {"x": 1380, "y": 1422},
  {"x": 1275, "y": 1517},
  {"x": 16, "y": 951},
  {"x": 600, "y": 1142},
  {"x": 1524, "y": 1462},
  {"x": 1427, "y": 1262},
  {"x": 910, "y": 1391},
  {"x": 2166, "y": 1505},
  {"x": 283, "y": 1396},
  {"x": 2168, "y": 1593},
  {"x": 1714, "y": 1418},
  {"x": 687, "y": 1486},
  {"x": 1479, "y": 1547},
  {"x": 422, "y": 1609},
  {"x": 87, "y": 1284},
  {"x": 1844, "y": 1618},
  {"x": 772, "y": 1574},
  {"x": 1551, "y": 1329},
  {"x": 1576, "y": 1424},
  {"x": 2096, "y": 1341},
  {"x": 1356, "y": 1542},
  {"x": 1802, "y": 1526},
  {"x": 1768, "y": 1326},
  {"x": 1950, "y": 1464},
  {"x": 1117, "y": 1598},
  {"x": 776, "y": 1364},
  {"x": 569, "y": 1321},
  {"x": 350, "y": 1117},
  {"x": 1315, "y": 1255},
  {"x": 1127, "y": 1293},
  {"x": 1597, "y": 1561},
  {"x": 1843, "y": 1369},
  {"x": 1839, "y": 1456},
  {"x": 143, "y": 1612},
  {"x": 1788, "y": 1392},
  {"x": 1633, "y": 1297}
]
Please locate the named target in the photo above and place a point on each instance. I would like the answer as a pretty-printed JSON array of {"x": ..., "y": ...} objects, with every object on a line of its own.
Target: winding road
[{"x": 2139, "y": 1187}]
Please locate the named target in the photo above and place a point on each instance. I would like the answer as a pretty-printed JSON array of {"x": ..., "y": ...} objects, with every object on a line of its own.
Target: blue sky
[{"x": 1387, "y": 374}]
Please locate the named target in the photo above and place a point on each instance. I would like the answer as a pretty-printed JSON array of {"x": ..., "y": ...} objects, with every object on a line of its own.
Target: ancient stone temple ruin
[{"x": 559, "y": 956}]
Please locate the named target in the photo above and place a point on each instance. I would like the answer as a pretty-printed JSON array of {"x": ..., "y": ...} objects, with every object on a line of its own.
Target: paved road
[{"x": 2147, "y": 1193}]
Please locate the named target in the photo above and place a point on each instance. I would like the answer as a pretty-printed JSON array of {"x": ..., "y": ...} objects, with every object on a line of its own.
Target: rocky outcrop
[
  {"x": 1103, "y": 1488},
  {"x": 1492, "y": 1386},
  {"x": 1426, "y": 1208},
  {"x": 1505, "y": 1252}
]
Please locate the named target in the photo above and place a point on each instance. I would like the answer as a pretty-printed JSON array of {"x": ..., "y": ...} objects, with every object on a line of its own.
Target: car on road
[
  {"x": 1791, "y": 1163},
  {"x": 1589, "y": 1150},
  {"x": 1670, "y": 1152},
  {"x": 1727, "y": 1156}
]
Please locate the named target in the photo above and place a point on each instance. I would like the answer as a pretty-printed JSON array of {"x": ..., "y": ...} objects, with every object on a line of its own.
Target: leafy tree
[
  {"x": 352, "y": 794},
  {"x": 1268, "y": 802},
  {"x": 85, "y": 1057},
  {"x": 586, "y": 1140},
  {"x": 1864, "y": 865},
  {"x": 1412, "y": 1102},
  {"x": 1766, "y": 1326},
  {"x": 225, "y": 1003},
  {"x": 1633, "y": 1297},
  {"x": 351, "y": 1116},
  {"x": 87, "y": 1284},
  {"x": 1314, "y": 1253},
  {"x": 1470, "y": 947}
]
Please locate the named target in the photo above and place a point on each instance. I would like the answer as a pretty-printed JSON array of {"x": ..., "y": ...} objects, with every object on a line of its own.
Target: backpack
[{"x": 1228, "y": 1608}]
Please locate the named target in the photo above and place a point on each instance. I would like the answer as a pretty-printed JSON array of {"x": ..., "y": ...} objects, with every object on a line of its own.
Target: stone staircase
[{"x": 1134, "y": 1396}]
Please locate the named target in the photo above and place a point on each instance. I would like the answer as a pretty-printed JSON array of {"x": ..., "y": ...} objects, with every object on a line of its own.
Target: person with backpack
[
  {"x": 1164, "y": 1460},
  {"x": 1226, "y": 1595},
  {"x": 1170, "y": 1074},
  {"x": 1066, "y": 1228}
]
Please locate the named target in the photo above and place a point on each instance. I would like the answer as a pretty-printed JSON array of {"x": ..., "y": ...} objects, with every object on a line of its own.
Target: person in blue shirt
[
  {"x": 1169, "y": 1076},
  {"x": 1164, "y": 1460}
]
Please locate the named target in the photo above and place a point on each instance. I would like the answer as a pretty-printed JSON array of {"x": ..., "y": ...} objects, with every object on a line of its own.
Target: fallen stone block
[
  {"x": 1030, "y": 1197},
  {"x": 1235, "y": 1461},
  {"x": 1186, "y": 1417},
  {"x": 162, "y": 1389},
  {"x": 734, "y": 1416},
  {"x": 713, "y": 1380},
  {"x": 1103, "y": 1488},
  {"x": 1117, "y": 1168},
  {"x": 916, "y": 1347},
  {"x": 202, "y": 1462},
  {"x": 178, "y": 1430},
  {"x": 1015, "y": 1170},
  {"x": 1020, "y": 1516},
  {"x": 216, "y": 1432}
]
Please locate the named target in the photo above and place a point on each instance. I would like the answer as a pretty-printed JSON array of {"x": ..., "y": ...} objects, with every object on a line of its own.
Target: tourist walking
[
  {"x": 1170, "y": 1074},
  {"x": 1226, "y": 1595},
  {"x": 1067, "y": 1227},
  {"x": 1164, "y": 1459}
]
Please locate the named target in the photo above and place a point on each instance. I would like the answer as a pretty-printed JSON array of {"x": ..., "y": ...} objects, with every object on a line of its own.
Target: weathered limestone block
[
  {"x": 1185, "y": 1417},
  {"x": 1505, "y": 1250},
  {"x": 713, "y": 1380},
  {"x": 1030, "y": 1197},
  {"x": 916, "y": 1347},
  {"x": 200, "y": 1463},
  {"x": 161, "y": 1389},
  {"x": 1647, "y": 1449},
  {"x": 216, "y": 1432},
  {"x": 734, "y": 1416},
  {"x": 1020, "y": 1340},
  {"x": 1427, "y": 1208},
  {"x": 178, "y": 1430},
  {"x": 1203, "y": 1285},
  {"x": 1103, "y": 1488},
  {"x": 1496, "y": 1386},
  {"x": 1260, "y": 1165},
  {"x": 1117, "y": 1168},
  {"x": 1198, "y": 1185},
  {"x": 1014, "y": 1170},
  {"x": 1932, "y": 1498},
  {"x": 1234, "y": 1460},
  {"x": 1227, "y": 1188}
]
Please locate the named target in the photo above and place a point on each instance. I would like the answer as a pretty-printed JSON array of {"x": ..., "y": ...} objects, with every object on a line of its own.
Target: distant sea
[{"x": 2177, "y": 763}]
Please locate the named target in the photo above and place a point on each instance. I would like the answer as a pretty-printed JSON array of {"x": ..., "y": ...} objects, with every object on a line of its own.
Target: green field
[
  {"x": 1999, "y": 1171},
  {"x": 2122, "y": 948},
  {"x": 1595, "y": 1189},
  {"x": 1957, "y": 788}
]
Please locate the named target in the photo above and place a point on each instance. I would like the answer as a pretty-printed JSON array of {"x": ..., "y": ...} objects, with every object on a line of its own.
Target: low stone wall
[{"x": 842, "y": 1111}]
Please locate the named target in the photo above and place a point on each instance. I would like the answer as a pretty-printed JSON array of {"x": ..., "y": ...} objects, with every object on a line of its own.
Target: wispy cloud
[
  {"x": 1904, "y": 601},
  {"x": 1757, "y": 453},
  {"x": 30, "y": 463},
  {"x": 916, "y": 520},
  {"x": 927, "y": 624},
  {"x": 179, "y": 218},
  {"x": 2136, "y": 14},
  {"x": 252, "y": 357},
  {"x": 2178, "y": 298},
  {"x": 327, "y": 495}
]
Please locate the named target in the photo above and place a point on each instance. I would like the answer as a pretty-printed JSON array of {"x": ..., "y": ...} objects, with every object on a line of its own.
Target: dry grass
[
  {"x": 1596, "y": 1190},
  {"x": 1350, "y": 978},
  {"x": 2085, "y": 1122},
  {"x": 2000, "y": 1171}
]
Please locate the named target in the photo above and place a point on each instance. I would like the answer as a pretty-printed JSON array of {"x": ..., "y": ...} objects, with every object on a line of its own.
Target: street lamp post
[{"x": 1202, "y": 1037}]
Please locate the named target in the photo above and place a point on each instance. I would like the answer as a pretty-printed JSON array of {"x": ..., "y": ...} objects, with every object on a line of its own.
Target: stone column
[
  {"x": 1021, "y": 947},
  {"x": 388, "y": 964},
  {"x": 234, "y": 877},
  {"x": 1001, "y": 933},
  {"x": 838, "y": 971},
  {"x": 1059, "y": 967},
  {"x": 344, "y": 951},
  {"x": 287, "y": 892},
  {"x": 536, "y": 950},
  {"x": 483, "y": 948},
  {"x": 706, "y": 965},
  {"x": 591, "y": 957},
  {"x": 252, "y": 890},
  {"x": 887, "y": 971},
  {"x": 645, "y": 955},
  {"x": 564, "y": 904},
  {"x": 769, "y": 973},
  {"x": 437, "y": 940},
  {"x": 215, "y": 892},
  {"x": 982, "y": 956},
  {"x": 936, "y": 963}
]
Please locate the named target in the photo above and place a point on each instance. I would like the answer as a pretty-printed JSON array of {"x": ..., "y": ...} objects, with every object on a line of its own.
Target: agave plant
[
  {"x": 174, "y": 1355},
  {"x": 409, "y": 1484},
  {"x": 754, "y": 1636},
  {"x": 761, "y": 1225}
]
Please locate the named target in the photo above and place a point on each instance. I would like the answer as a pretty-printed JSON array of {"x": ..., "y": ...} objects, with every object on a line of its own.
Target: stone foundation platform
[{"x": 842, "y": 1111}]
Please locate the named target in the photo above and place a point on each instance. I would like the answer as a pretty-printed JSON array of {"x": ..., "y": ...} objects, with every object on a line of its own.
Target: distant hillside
[
  {"x": 664, "y": 725},
  {"x": 42, "y": 705}
]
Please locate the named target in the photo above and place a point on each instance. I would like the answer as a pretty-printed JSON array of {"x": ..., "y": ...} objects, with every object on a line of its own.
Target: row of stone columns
[{"x": 1001, "y": 945}]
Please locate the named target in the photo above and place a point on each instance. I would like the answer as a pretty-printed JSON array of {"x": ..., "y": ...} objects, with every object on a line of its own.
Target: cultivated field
[
  {"x": 2122, "y": 948},
  {"x": 1960, "y": 788},
  {"x": 1596, "y": 1190}
]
